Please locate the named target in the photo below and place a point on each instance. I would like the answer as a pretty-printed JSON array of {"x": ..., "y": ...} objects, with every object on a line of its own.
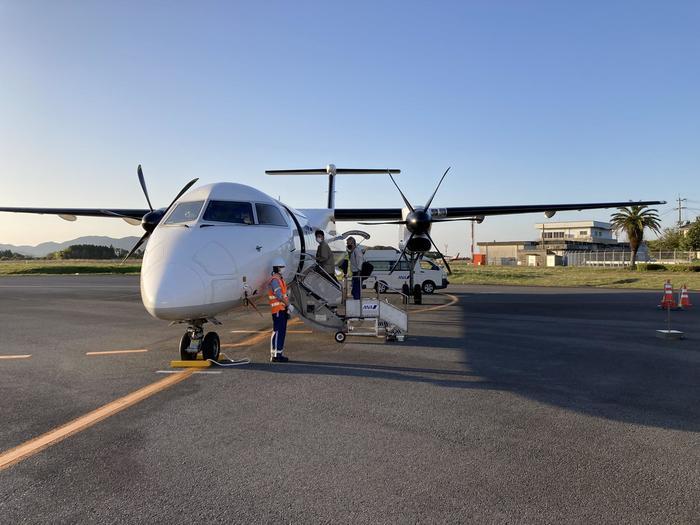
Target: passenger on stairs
[
  {"x": 324, "y": 256},
  {"x": 354, "y": 266}
]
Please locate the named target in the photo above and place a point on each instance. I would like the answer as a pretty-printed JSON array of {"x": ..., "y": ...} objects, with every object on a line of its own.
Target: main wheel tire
[
  {"x": 428, "y": 287},
  {"x": 211, "y": 346},
  {"x": 184, "y": 345},
  {"x": 381, "y": 287},
  {"x": 340, "y": 337}
]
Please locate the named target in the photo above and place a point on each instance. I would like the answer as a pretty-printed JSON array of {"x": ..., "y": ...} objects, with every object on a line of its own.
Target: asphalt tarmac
[{"x": 504, "y": 405}]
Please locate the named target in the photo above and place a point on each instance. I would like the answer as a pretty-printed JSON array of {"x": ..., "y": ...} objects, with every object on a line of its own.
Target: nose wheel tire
[
  {"x": 340, "y": 337},
  {"x": 211, "y": 346},
  {"x": 184, "y": 345}
]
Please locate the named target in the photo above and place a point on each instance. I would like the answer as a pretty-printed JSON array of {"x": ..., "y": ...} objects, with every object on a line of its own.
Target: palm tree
[{"x": 633, "y": 220}]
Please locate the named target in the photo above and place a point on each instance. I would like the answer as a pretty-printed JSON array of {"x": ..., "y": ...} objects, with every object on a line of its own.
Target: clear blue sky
[{"x": 527, "y": 101}]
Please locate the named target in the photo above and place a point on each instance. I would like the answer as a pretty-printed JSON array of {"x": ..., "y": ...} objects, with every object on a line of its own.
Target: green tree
[
  {"x": 691, "y": 239},
  {"x": 86, "y": 251},
  {"x": 633, "y": 220},
  {"x": 671, "y": 239}
]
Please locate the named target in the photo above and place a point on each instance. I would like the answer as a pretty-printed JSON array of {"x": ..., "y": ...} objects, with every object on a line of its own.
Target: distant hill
[{"x": 45, "y": 248}]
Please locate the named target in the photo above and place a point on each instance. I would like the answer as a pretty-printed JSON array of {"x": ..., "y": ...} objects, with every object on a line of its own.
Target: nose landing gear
[{"x": 193, "y": 341}]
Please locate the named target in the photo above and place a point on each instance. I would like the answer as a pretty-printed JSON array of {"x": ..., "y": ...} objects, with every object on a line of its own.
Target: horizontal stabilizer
[{"x": 332, "y": 171}]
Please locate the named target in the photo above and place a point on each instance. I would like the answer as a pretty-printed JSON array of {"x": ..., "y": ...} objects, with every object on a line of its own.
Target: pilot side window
[
  {"x": 185, "y": 212},
  {"x": 229, "y": 211},
  {"x": 269, "y": 214}
]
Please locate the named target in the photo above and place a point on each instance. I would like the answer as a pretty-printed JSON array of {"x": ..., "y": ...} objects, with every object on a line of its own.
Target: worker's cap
[{"x": 278, "y": 262}]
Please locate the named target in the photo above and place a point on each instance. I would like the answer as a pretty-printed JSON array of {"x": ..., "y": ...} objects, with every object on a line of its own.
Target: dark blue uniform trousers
[{"x": 279, "y": 331}]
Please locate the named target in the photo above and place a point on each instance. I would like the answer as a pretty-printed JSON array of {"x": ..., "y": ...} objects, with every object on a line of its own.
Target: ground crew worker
[
  {"x": 355, "y": 260},
  {"x": 279, "y": 303},
  {"x": 324, "y": 255}
]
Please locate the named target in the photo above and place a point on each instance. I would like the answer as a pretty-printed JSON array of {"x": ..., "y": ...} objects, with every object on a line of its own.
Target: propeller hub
[
  {"x": 152, "y": 219},
  {"x": 419, "y": 221}
]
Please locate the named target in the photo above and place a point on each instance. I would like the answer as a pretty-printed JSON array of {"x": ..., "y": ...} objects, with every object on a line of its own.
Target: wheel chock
[{"x": 198, "y": 363}]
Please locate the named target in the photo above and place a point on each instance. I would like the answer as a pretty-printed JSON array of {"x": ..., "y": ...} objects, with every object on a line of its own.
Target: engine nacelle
[{"x": 419, "y": 243}]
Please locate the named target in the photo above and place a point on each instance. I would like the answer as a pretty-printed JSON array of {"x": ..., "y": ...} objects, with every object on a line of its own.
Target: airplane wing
[
  {"x": 383, "y": 214},
  {"x": 131, "y": 216}
]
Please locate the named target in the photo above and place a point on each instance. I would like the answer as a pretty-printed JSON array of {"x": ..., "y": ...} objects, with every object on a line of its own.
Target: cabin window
[
  {"x": 381, "y": 266},
  {"x": 229, "y": 211},
  {"x": 269, "y": 214},
  {"x": 185, "y": 212}
]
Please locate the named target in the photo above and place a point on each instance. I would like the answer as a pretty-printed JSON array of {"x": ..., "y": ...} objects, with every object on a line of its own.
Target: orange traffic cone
[
  {"x": 684, "y": 298},
  {"x": 668, "y": 301}
]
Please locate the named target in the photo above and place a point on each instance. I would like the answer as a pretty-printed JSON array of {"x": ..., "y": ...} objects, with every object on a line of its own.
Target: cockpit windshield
[
  {"x": 229, "y": 211},
  {"x": 185, "y": 212}
]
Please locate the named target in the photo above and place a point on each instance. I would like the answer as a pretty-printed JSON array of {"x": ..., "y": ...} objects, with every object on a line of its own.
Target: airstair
[{"x": 323, "y": 304}]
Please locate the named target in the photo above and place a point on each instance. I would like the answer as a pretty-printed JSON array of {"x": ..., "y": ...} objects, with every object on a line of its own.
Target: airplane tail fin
[{"x": 332, "y": 171}]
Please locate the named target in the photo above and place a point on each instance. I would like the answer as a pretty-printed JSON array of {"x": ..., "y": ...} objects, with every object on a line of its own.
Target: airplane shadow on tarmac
[{"x": 594, "y": 353}]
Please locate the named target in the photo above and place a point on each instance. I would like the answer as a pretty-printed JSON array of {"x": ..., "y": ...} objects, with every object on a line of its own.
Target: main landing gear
[{"x": 194, "y": 340}]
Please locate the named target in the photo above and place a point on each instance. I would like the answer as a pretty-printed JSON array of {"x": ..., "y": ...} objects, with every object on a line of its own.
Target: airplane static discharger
[{"x": 211, "y": 250}]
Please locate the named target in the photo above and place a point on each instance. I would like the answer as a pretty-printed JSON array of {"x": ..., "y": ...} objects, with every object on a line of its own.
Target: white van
[{"x": 427, "y": 274}]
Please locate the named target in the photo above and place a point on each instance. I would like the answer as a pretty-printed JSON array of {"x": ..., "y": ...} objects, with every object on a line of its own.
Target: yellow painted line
[
  {"x": 31, "y": 447},
  {"x": 23, "y": 356},
  {"x": 112, "y": 352},
  {"x": 250, "y": 341},
  {"x": 453, "y": 300},
  {"x": 190, "y": 364}
]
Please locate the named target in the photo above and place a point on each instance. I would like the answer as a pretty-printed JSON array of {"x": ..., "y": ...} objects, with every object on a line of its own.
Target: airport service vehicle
[
  {"x": 426, "y": 274},
  {"x": 211, "y": 249}
]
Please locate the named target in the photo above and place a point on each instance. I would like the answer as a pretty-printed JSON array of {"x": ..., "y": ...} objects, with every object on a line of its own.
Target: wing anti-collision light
[{"x": 549, "y": 214}]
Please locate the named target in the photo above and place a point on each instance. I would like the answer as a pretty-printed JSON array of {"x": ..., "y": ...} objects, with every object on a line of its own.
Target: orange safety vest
[{"x": 275, "y": 303}]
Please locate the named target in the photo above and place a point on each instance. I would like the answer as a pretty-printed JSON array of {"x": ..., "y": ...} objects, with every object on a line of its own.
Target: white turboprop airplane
[{"x": 211, "y": 249}]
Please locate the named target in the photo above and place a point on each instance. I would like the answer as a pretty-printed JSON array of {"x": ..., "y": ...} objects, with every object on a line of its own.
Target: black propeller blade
[
  {"x": 182, "y": 191},
  {"x": 152, "y": 213},
  {"x": 136, "y": 246},
  {"x": 142, "y": 180},
  {"x": 405, "y": 200},
  {"x": 379, "y": 223},
  {"x": 430, "y": 200},
  {"x": 449, "y": 270},
  {"x": 403, "y": 254}
]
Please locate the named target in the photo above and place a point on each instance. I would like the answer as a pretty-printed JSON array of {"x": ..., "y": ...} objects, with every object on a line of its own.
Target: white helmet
[{"x": 278, "y": 262}]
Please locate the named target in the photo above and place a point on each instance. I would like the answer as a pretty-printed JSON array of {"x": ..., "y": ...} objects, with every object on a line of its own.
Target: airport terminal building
[{"x": 559, "y": 244}]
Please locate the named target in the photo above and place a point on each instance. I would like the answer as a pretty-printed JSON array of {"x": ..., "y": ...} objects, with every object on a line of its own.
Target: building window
[{"x": 583, "y": 233}]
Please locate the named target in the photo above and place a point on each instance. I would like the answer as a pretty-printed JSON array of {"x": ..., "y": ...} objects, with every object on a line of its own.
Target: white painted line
[
  {"x": 23, "y": 356},
  {"x": 245, "y": 331},
  {"x": 111, "y": 352}
]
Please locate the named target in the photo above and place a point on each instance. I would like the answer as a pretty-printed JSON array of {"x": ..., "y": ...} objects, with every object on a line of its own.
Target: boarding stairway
[{"x": 323, "y": 304}]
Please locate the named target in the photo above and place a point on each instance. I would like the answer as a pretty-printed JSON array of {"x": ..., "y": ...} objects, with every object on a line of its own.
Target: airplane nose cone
[{"x": 168, "y": 290}]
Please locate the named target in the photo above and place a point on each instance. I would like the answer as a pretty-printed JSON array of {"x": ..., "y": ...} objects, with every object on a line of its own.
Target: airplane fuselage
[{"x": 216, "y": 247}]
